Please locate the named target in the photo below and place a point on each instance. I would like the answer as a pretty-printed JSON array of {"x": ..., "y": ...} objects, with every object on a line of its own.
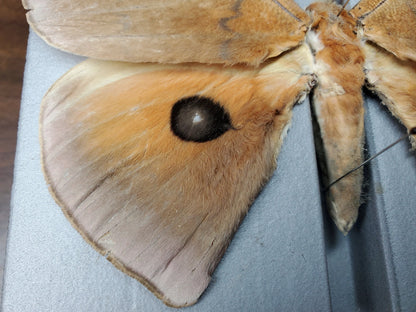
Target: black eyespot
[{"x": 199, "y": 119}]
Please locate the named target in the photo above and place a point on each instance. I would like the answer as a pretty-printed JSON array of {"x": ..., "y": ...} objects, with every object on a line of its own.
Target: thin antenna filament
[
  {"x": 343, "y": 8},
  {"x": 411, "y": 132}
]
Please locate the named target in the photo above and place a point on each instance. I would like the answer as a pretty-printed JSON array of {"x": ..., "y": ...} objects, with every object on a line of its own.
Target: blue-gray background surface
[{"x": 286, "y": 255}]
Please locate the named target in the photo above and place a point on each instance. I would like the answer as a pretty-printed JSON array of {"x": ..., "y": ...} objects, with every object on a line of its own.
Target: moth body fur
[{"x": 338, "y": 103}]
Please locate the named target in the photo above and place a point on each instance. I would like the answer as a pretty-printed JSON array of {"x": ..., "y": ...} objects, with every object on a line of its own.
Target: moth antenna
[
  {"x": 343, "y": 7},
  {"x": 411, "y": 132}
]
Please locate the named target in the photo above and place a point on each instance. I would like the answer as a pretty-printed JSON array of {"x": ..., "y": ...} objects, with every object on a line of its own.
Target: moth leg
[{"x": 394, "y": 81}]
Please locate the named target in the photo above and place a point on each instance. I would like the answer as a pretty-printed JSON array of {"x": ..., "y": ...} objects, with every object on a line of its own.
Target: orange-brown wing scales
[
  {"x": 394, "y": 81},
  {"x": 391, "y": 24},
  {"x": 160, "y": 208},
  {"x": 338, "y": 105},
  {"x": 174, "y": 31}
]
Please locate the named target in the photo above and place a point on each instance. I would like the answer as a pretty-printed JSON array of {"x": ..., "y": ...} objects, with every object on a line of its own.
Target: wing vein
[
  {"x": 287, "y": 10},
  {"x": 188, "y": 239},
  {"x": 375, "y": 8}
]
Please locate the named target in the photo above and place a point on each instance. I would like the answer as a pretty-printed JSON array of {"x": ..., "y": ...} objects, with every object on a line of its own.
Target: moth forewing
[
  {"x": 390, "y": 24},
  {"x": 170, "y": 31}
]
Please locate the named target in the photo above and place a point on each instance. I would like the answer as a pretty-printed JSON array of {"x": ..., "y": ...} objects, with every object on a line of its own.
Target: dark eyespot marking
[{"x": 199, "y": 119}]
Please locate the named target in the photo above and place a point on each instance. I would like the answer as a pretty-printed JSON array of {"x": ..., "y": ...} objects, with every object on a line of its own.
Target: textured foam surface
[{"x": 286, "y": 255}]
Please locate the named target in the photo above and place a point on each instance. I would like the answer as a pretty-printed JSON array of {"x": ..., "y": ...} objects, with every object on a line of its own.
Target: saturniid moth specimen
[{"x": 157, "y": 145}]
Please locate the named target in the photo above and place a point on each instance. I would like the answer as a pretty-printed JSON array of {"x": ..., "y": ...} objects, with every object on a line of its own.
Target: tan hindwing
[{"x": 160, "y": 208}]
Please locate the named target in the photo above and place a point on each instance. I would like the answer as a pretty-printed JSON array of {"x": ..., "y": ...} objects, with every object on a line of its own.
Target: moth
[{"x": 157, "y": 145}]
